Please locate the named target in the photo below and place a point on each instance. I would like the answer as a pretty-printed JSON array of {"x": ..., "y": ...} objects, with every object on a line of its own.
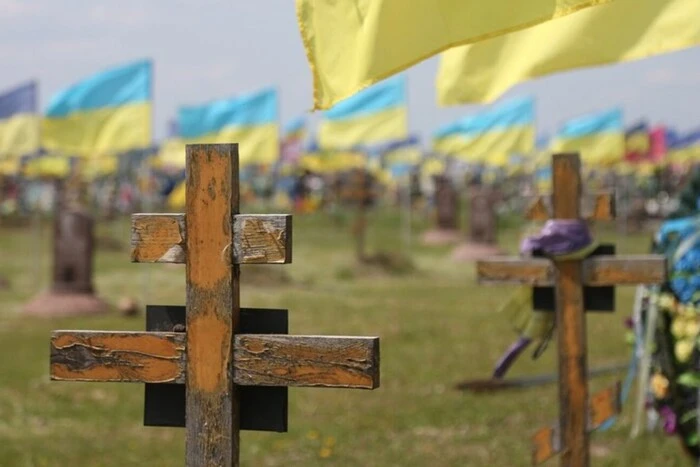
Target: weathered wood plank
[
  {"x": 603, "y": 406},
  {"x": 597, "y": 206},
  {"x": 621, "y": 270},
  {"x": 258, "y": 238},
  {"x": 280, "y": 360},
  {"x": 571, "y": 321},
  {"x": 262, "y": 238},
  {"x": 515, "y": 270},
  {"x": 157, "y": 357},
  {"x": 213, "y": 309},
  {"x": 598, "y": 271},
  {"x": 158, "y": 238}
]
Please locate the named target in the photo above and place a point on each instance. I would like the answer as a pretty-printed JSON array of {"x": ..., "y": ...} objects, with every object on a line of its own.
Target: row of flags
[{"x": 486, "y": 47}]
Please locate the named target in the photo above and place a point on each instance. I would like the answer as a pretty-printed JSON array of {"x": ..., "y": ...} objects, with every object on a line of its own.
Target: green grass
[{"x": 437, "y": 327}]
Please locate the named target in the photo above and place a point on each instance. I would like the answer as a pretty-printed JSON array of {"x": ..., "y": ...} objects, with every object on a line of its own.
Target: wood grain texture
[
  {"x": 604, "y": 405},
  {"x": 158, "y": 238},
  {"x": 598, "y": 271},
  {"x": 621, "y": 270},
  {"x": 571, "y": 322},
  {"x": 118, "y": 356},
  {"x": 603, "y": 207},
  {"x": 262, "y": 238},
  {"x": 538, "y": 211},
  {"x": 280, "y": 360},
  {"x": 596, "y": 206},
  {"x": 213, "y": 310},
  {"x": 258, "y": 238}
]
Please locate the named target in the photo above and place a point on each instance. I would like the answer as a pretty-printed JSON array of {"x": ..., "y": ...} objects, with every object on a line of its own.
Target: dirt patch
[
  {"x": 54, "y": 304},
  {"x": 474, "y": 251},
  {"x": 441, "y": 237}
]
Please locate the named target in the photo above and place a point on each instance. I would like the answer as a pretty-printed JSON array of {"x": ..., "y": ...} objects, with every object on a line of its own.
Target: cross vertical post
[
  {"x": 213, "y": 308},
  {"x": 571, "y": 321}
]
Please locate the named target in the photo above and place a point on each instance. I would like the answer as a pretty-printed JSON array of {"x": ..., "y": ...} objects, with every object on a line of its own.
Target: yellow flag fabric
[
  {"x": 352, "y": 44},
  {"x": 55, "y": 166},
  {"x": 621, "y": 31}
]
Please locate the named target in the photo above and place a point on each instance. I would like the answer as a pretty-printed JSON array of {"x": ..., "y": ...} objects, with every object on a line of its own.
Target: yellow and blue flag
[
  {"x": 490, "y": 136},
  {"x": 251, "y": 120},
  {"x": 47, "y": 165},
  {"x": 684, "y": 149},
  {"x": 620, "y": 31},
  {"x": 107, "y": 113},
  {"x": 400, "y": 158},
  {"x": 598, "y": 137},
  {"x": 373, "y": 116},
  {"x": 19, "y": 123},
  {"x": 352, "y": 44}
]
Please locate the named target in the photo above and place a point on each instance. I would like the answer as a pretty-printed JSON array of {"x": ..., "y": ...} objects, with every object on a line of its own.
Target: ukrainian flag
[
  {"x": 599, "y": 138},
  {"x": 250, "y": 120},
  {"x": 491, "y": 136},
  {"x": 352, "y": 44},
  {"x": 107, "y": 113},
  {"x": 402, "y": 157},
  {"x": 685, "y": 149},
  {"x": 48, "y": 165},
  {"x": 19, "y": 123},
  {"x": 620, "y": 31},
  {"x": 373, "y": 116}
]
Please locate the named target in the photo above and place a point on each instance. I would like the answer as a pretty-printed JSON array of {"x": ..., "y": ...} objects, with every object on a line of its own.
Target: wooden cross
[
  {"x": 569, "y": 278},
  {"x": 211, "y": 357}
]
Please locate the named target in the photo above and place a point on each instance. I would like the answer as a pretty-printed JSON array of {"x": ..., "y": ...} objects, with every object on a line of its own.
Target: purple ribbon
[
  {"x": 510, "y": 356},
  {"x": 669, "y": 418},
  {"x": 558, "y": 237}
]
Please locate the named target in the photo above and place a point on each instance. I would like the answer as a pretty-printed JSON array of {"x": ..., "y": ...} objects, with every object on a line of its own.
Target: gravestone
[
  {"x": 446, "y": 217},
  {"x": 72, "y": 291},
  {"x": 483, "y": 226}
]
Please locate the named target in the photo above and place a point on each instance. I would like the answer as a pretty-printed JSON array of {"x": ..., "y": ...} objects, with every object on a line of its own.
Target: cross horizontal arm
[
  {"x": 259, "y": 359},
  {"x": 154, "y": 357},
  {"x": 280, "y": 360},
  {"x": 602, "y": 209},
  {"x": 597, "y": 270},
  {"x": 603, "y": 406},
  {"x": 259, "y": 238}
]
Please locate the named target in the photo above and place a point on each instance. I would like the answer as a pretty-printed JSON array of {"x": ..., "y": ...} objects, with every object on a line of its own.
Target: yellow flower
[
  {"x": 659, "y": 385},
  {"x": 313, "y": 434},
  {"x": 684, "y": 348},
  {"x": 329, "y": 441},
  {"x": 678, "y": 328},
  {"x": 666, "y": 301},
  {"x": 692, "y": 328},
  {"x": 325, "y": 452}
]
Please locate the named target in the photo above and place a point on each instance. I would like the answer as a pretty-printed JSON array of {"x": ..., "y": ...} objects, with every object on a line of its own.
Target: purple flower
[{"x": 669, "y": 418}]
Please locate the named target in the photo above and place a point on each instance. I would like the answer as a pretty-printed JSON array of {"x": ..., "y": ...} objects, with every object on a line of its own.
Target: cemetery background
[{"x": 437, "y": 328}]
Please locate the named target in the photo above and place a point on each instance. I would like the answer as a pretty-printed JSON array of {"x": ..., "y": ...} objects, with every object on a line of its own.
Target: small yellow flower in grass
[
  {"x": 312, "y": 434},
  {"x": 684, "y": 348},
  {"x": 325, "y": 452},
  {"x": 329, "y": 441},
  {"x": 659, "y": 385}
]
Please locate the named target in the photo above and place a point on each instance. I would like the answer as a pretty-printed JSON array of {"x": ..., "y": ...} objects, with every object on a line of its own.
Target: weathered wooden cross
[
  {"x": 571, "y": 436},
  {"x": 210, "y": 355}
]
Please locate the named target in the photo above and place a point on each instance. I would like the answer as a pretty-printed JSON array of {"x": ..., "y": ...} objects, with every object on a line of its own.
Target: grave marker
[
  {"x": 72, "y": 291},
  {"x": 482, "y": 216},
  {"x": 569, "y": 278},
  {"x": 210, "y": 355}
]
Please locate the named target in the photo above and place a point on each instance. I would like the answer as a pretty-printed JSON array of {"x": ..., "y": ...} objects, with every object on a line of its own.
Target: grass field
[{"x": 437, "y": 327}]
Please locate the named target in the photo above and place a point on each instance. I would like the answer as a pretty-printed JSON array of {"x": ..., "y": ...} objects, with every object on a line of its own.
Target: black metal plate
[
  {"x": 596, "y": 299},
  {"x": 262, "y": 408}
]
